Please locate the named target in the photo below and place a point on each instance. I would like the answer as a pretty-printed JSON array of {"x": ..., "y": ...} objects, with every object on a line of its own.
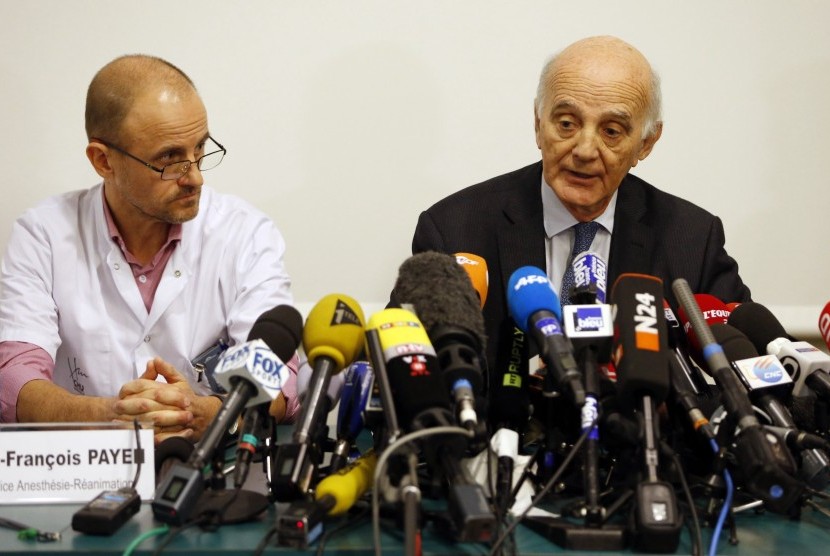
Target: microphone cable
[
  {"x": 381, "y": 467},
  {"x": 727, "y": 503},
  {"x": 549, "y": 485},
  {"x": 695, "y": 531}
]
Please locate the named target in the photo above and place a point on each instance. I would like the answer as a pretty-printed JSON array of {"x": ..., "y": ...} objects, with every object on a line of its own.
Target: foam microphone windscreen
[
  {"x": 758, "y": 324},
  {"x": 476, "y": 269},
  {"x": 735, "y": 344},
  {"x": 280, "y": 328},
  {"x": 441, "y": 293},
  {"x": 334, "y": 329},
  {"x": 641, "y": 356}
]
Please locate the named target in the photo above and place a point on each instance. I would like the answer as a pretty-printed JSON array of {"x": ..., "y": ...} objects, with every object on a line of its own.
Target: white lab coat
[{"x": 68, "y": 289}]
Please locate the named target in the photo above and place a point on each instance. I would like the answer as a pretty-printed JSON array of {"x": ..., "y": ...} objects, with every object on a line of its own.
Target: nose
[
  {"x": 586, "y": 147},
  {"x": 193, "y": 177}
]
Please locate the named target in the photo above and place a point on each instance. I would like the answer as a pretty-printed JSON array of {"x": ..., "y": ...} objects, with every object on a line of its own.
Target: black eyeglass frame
[{"x": 197, "y": 162}]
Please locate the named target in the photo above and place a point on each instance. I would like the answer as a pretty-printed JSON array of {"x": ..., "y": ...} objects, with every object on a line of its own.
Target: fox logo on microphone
[{"x": 253, "y": 361}]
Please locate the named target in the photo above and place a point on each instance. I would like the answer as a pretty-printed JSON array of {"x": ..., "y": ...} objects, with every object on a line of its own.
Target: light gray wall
[{"x": 344, "y": 119}]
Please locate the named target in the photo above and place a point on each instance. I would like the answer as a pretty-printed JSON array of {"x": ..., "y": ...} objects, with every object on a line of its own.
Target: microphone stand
[
  {"x": 591, "y": 349},
  {"x": 408, "y": 490}
]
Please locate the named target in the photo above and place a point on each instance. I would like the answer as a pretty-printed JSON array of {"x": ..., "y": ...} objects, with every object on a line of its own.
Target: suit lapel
[
  {"x": 521, "y": 233},
  {"x": 632, "y": 242}
]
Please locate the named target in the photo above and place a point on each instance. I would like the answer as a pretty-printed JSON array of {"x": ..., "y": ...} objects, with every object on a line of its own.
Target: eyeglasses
[{"x": 176, "y": 170}]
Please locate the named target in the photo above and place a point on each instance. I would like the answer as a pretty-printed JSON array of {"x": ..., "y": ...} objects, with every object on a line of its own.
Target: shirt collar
[
  {"x": 558, "y": 219},
  {"x": 173, "y": 234}
]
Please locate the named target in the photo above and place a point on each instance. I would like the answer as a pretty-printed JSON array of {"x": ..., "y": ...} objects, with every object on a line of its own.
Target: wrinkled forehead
[{"x": 605, "y": 73}]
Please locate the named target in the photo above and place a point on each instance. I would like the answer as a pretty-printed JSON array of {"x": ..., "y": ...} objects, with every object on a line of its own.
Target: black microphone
[
  {"x": 808, "y": 366},
  {"x": 411, "y": 364},
  {"x": 253, "y": 374},
  {"x": 421, "y": 401},
  {"x": 769, "y": 482},
  {"x": 767, "y": 382},
  {"x": 643, "y": 381},
  {"x": 442, "y": 295},
  {"x": 332, "y": 339},
  {"x": 535, "y": 308}
]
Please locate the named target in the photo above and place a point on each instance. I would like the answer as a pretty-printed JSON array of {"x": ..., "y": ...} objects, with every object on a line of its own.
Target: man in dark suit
[{"x": 597, "y": 114}]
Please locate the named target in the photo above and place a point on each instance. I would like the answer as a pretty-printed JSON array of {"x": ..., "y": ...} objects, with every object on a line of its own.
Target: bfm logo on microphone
[{"x": 645, "y": 323}]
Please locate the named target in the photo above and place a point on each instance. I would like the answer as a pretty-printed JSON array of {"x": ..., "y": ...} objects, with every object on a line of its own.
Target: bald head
[
  {"x": 116, "y": 87},
  {"x": 604, "y": 56}
]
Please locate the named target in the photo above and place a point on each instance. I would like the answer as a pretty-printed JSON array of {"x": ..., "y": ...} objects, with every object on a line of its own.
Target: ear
[
  {"x": 537, "y": 125},
  {"x": 648, "y": 142},
  {"x": 98, "y": 155}
]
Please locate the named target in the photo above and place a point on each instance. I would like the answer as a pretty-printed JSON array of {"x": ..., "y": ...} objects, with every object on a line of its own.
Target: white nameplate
[{"x": 72, "y": 463}]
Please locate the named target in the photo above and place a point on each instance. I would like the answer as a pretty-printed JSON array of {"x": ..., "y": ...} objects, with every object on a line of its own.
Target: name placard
[{"x": 73, "y": 462}]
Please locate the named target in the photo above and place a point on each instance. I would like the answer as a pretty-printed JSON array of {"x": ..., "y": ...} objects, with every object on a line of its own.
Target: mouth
[
  {"x": 580, "y": 178},
  {"x": 189, "y": 195}
]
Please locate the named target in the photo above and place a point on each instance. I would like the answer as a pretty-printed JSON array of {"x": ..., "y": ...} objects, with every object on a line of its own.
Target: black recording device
[
  {"x": 301, "y": 524},
  {"x": 108, "y": 511}
]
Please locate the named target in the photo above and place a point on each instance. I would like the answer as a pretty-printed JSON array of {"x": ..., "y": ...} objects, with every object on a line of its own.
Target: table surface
[{"x": 757, "y": 533}]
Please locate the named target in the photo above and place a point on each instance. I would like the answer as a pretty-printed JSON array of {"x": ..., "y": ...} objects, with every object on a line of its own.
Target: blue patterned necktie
[{"x": 585, "y": 232}]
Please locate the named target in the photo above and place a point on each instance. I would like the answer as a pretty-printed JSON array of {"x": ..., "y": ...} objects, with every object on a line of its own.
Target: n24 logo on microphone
[{"x": 645, "y": 323}]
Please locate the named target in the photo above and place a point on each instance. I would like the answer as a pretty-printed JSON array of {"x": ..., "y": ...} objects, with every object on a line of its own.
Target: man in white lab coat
[{"x": 110, "y": 293}]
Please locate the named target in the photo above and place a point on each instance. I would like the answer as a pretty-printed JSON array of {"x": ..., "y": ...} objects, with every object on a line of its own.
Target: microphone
[
  {"x": 411, "y": 364},
  {"x": 253, "y": 374},
  {"x": 421, "y": 401},
  {"x": 808, "y": 366},
  {"x": 642, "y": 365},
  {"x": 476, "y": 269},
  {"x": 589, "y": 326},
  {"x": 248, "y": 441},
  {"x": 824, "y": 324},
  {"x": 301, "y": 523},
  {"x": 679, "y": 344},
  {"x": 778, "y": 490},
  {"x": 340, "y": 491},
  {"x": 333, "y": 391},
  {"x": 765, "y": 378},
  {"x": 535, "y": 308},
  {"x": 590, "y": 278},
  {"x": 351, "y": 416},
  {"x": 641, "y": 353},
  {"x": 443, "y": 298},
  {"x": 332, "y": 338},
  {"x": 713, "y": 310}
]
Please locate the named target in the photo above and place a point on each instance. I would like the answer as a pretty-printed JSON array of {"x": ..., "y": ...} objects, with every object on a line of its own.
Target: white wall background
[{"x": 343, "y": 120}]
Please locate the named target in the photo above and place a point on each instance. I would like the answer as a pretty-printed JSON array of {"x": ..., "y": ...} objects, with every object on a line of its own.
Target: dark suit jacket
[{"x": 654, "y": 233}]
